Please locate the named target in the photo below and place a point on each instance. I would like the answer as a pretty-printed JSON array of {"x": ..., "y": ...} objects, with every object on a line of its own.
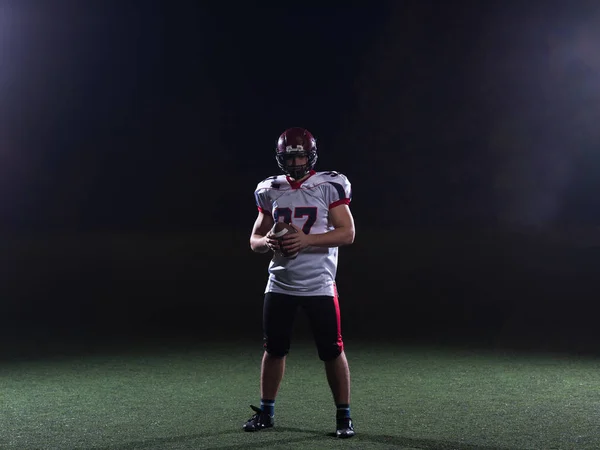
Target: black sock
[
  {"x": 343, "y": 411},
  {"x": 268, "y": 406}
]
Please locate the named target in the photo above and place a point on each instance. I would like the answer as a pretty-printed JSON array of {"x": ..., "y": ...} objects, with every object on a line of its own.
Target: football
[{"x": 279, "y": 230}]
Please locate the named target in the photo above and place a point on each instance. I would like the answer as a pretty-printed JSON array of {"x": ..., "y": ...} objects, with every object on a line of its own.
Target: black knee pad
[
  {"x": 329, "y": 351},
  {"x": 276, "y": 348}
]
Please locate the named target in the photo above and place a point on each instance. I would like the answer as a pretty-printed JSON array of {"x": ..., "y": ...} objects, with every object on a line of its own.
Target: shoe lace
[{"x": 258, "y": 414}]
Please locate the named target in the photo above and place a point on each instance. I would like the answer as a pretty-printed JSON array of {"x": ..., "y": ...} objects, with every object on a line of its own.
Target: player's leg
[
  {"x": 324, "y": 317},
  {"x": 338, "y": 377},
  {"x": 278, "y": 317},
  {"x": 271, "y": 373},
  {"x": 279, "y": 312}
]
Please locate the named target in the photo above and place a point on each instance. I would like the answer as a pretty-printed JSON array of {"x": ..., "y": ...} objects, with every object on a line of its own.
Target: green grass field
[{"x": 197, "y": 397}]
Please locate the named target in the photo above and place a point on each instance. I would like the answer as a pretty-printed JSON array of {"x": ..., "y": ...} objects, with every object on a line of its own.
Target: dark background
[{"x": 133, "y": 135}]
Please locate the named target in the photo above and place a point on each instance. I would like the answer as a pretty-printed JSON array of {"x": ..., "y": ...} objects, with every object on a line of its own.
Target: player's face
[{"x": 296, "y": 160}]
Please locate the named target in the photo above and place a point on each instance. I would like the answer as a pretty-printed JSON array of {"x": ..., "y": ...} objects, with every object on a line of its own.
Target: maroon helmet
[{"x": 296, "y": 142}]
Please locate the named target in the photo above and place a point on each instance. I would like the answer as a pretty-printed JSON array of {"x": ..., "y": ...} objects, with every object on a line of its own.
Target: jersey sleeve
[
  {"x": 262, "y": 200},
  {"x": 338, "y": 190}
]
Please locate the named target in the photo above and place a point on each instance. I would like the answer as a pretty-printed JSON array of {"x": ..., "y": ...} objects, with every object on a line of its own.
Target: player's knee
[
  {"x": 277, "y": 352},
  {"x": 279, "y": 349},
  {"x": 328, "y": 352}
]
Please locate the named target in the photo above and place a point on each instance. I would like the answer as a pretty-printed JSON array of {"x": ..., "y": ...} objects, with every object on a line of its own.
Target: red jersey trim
[
  {"x": 342, "y": 201},
  {"x": 296, "y": 184}
]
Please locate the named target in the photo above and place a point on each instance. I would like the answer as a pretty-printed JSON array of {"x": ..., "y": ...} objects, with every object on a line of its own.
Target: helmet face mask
[
  {"x": 293, "y": 143},
  {"x": 292, "y": 167}
]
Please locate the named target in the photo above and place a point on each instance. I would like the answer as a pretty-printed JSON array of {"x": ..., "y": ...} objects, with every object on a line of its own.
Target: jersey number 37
[{"x": 286, "y": 214}]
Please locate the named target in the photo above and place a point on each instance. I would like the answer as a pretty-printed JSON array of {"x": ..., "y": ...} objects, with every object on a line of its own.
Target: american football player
[{"x": 316, "y": 205}]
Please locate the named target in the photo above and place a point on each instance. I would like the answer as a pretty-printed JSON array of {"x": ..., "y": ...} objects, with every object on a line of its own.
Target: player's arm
[
  {"x": 260, "y": 241},
  {"x": 343, "y": 232}
]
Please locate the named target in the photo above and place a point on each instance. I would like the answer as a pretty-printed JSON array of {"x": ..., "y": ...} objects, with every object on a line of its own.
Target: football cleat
[
  {"x": 258, "y": 421},
  {"x": 344, "y": 428}
]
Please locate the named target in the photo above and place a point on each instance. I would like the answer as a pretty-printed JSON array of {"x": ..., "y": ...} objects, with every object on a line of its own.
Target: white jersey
[{"x": 306, "y": 205}]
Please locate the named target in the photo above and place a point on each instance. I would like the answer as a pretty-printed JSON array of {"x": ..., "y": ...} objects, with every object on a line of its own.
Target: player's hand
[
  {"x": 272, "y": 242},
  {"x": 294, "y": 242}
]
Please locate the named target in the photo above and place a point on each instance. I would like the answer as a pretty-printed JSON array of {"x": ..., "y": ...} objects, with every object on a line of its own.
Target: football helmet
[{"x": 296, "y": 142}]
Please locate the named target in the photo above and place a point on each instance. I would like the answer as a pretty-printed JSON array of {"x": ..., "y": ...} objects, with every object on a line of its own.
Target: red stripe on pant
[{"x": 336, "y": 302}]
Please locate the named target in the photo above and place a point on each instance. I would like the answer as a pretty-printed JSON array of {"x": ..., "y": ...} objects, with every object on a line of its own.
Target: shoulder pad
[{"x": 274, "y": 182}]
